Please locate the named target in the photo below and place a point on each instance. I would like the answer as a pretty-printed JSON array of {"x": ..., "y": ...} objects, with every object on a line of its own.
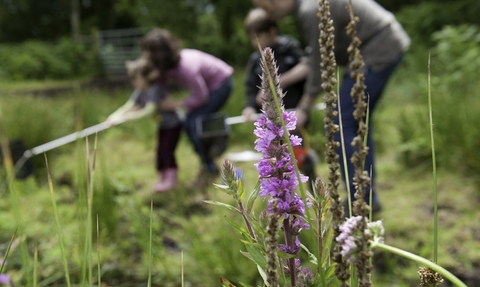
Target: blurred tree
[{"x": 31, "y": 19}]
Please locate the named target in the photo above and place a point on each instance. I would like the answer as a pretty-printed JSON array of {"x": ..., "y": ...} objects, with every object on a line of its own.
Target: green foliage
[
  {"x": 423, "y": 19},
  {"x": 42, "y": 60},
  {"x": 414, "y": 149},
  {"x": 455, "y": 60},
  {"x": 209, "y": 38},
  {"x": 456, "y": 57}
]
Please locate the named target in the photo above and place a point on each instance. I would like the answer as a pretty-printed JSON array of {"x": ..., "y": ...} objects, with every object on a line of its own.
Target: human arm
[
  {"x": 139, "y": 112},
  {"x": 303, "y": 109},
  {"x": 198, "y": 92},
  {"x": 296, "y": 74},
  {"x": 130, "y": 111},
  {"x": 140, "y": 104},
  {"x": 121, "y": 111},
  {"x": 169, "y": 104}
]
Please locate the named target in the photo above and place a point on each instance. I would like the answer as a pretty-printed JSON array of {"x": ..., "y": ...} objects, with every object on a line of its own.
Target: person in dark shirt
[
  {"x": 383, "y": 43},
  {"x": 263, "y": 32}
]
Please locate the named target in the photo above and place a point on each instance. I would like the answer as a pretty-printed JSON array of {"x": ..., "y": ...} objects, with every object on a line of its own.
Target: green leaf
[
  {"x": 239, "y": 228},
  {"x": 313, "y": 258},
  {"x": 325, "y": 277},
  {"x": 327, "y": 243},
  {"x": 263, "y": 274},
  {"x": 224, "y": 188},
  {"x": 253, "y": 197},
  {"x": 282, "y": 254},
  {"x": 325, "y": 206},
  {"x": 4, "y": 261},
  {"x": 241, "y": 189},
  {"x": 245, "y": 284},
  {"x": 330, "y": 273},
  {"x": 246, "y": 254},
  {"x": 257, "y": 255},
  {"x": 233, "y": 208},
  {"x": 225, "y": 282},
  {"x": 257, "y": 245}
]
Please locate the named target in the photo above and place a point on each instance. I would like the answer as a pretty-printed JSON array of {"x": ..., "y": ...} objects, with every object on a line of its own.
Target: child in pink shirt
[
  {"x": 143, "y": 102},
  {"x": 207, "y": 78}
]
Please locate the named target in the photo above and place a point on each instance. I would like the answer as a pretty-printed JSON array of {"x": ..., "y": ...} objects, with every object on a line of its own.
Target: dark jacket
[{"x": 287, "y": 53}]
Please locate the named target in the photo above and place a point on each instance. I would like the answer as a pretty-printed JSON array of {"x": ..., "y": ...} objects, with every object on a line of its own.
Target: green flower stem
[
  {"x": 99, "y": 273},
  {"x": 445, "y": 273},
  {"x": 245, "y": 219},
  {"x": 150, "y": 248},
  {"x": 344, "y": 155},
  {"x": 434, "y": 164}
]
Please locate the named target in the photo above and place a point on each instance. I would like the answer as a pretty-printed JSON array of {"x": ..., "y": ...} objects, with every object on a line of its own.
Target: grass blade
[
  {"x": 99, "y": 275},
  {"x": 87, "y": 252},
  {"x": 344, "y": 155},
  {"x": 8, "y": 251},
  {"x": 150, "y": 244},
  {"x": 57, "y": 221},
  {"x": 183, "y": 271},
  {"x": 434, "y": 164},
  {"x": 35, "y": 265}
]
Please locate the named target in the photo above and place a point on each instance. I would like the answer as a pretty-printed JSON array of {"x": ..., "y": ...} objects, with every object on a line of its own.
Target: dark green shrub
[{"x": 42, "y": 60}]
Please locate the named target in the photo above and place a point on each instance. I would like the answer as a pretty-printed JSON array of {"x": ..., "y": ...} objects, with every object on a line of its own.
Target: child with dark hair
[
  {"x": 263, "y": 32},
  {"x": 144, "y": 101},
  {"x": 206, "y": 77}
]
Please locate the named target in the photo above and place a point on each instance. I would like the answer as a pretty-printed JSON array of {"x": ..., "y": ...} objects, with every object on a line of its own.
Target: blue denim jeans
[
  {"x": 375, "y": 82},
  {"x": 216, "y": 100}
]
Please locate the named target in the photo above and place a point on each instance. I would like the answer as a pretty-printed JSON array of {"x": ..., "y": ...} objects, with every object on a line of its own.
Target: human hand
[
  {"x": 249, "y": 113},
  {"x": 301, "y": 117},
  {"x": 169, "y": 104},
  {"x": 114, "y": 120}
]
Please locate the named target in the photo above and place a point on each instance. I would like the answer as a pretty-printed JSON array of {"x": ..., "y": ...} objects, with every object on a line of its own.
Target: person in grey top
[
  {"x": 145, "y": 100},
  {"x": 383, "y": 44}
]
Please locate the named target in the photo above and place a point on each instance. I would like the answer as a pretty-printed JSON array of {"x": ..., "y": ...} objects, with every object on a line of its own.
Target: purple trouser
[{"x": 166, "y": 144}]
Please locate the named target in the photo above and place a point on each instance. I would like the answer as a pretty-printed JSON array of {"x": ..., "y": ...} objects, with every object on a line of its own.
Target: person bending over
[
  {"x": 207, "y": 78},
  {"x": 145, "y": 101}
]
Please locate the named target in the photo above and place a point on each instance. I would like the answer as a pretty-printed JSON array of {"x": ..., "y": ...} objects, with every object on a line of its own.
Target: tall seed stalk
[
  {"x": 360, "y": 178},
  {"x": 328, "y": 66}
]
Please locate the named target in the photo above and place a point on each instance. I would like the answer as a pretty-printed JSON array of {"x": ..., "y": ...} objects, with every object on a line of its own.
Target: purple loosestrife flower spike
[
  {"x": 276, "y": 169},
  {"x": 5, "y": 280},
  {"x": 351, "y": 233},
  {"x": 278, "y": 179},
  {"x": 346, "y": 238}
]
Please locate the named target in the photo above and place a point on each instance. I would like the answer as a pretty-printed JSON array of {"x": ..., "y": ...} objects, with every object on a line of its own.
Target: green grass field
[{"x": 185, "y": 226}]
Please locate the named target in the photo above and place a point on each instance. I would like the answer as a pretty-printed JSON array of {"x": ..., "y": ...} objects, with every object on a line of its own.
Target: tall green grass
[{"x": 123, "y": 178}]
